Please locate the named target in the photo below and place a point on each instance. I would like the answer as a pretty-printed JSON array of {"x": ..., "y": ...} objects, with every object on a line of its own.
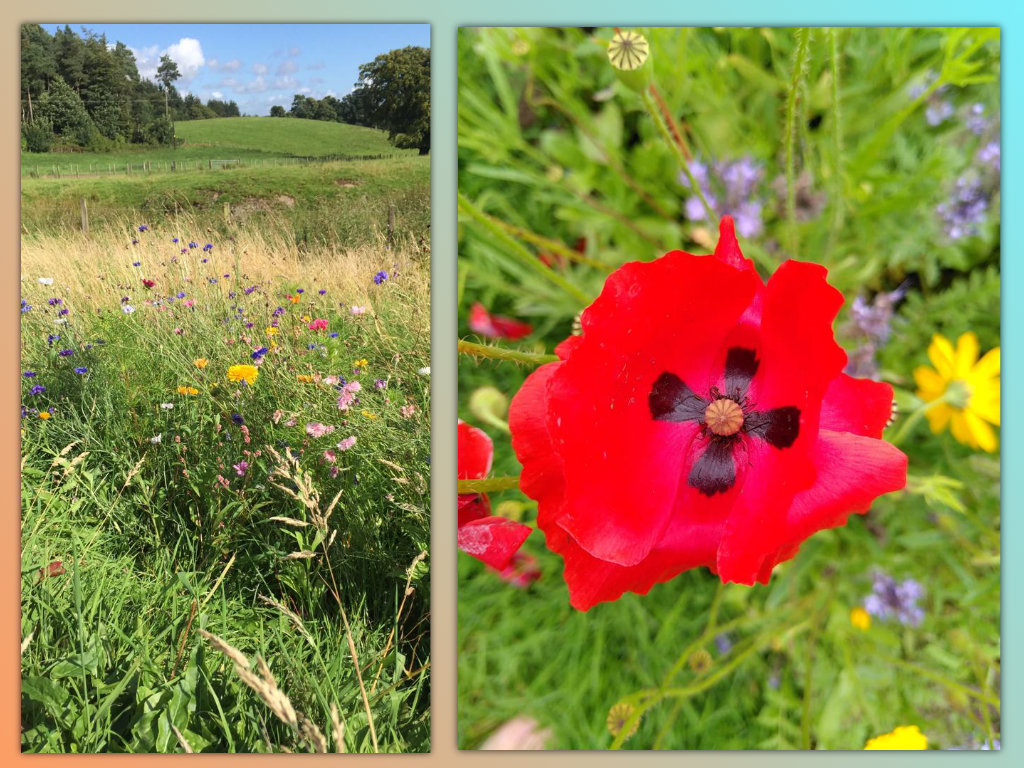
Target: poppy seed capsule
[{"x": 724, "y": 417}]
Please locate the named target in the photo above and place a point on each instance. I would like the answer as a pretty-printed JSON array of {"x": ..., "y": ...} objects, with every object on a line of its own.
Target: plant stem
[
  {"x": 507, "y": 355},
  {"x": 799, "y": 63},
  {"x": 837, "y": 140},
  {"x": 677, "y": 148},
  {"x": 488, "y": 486}
]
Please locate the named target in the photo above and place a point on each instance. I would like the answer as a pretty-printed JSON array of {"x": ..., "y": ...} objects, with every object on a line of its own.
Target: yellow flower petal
[
  {"x": 930, "y": 384},
  {"x": 904, "y": 737},
  {"x": 988, "y": 366},
  {"x": 986, "y": 407},
  {"x": 983, "y": 435},
  {"x": 966, "y": 353},
  {"x": 962, "y": 433},
  {"x": 940, "y": 352},
  {"x": 938, "y": 417}
]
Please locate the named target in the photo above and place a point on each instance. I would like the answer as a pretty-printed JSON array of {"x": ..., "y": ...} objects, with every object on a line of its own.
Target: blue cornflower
[
  {"x": 54, "y": 302},
  {"x": 334, "y": 335},
  {"x": 380, "y": 277},
  {"x": 66, "y": 352},
  {"x": 52, "y": 338},
  {"x": 136, "y": 263},
  {"x": 63, "y": 312},
  {"x": 278, "y": 312},
  {"x": 38, "y": 389},
  {"x": 181, "y": 294},
  {"x": 323, "y": 291},
  {"x": 250, "y": 289},
  {"x": 193, "y": 245},
  {"x": 29, "y": 374},
  {"x": 212, "y": 280},
  {"x": 300, "y": 290},
  {"x": 208, "y": 247},
  {"x": 237, "y": 418},
  {"x": 891, "y": 600},
  {"x": 81, "y": 370},
  {"x": 135, "y": 242},
  {"x": 259, "y": 353},
  {"x": 25, "y": 306},
  {"x": 143, "y": 228}
]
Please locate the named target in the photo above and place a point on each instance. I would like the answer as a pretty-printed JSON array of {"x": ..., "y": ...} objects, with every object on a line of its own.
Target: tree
[
  {"x": 277, "y": 111},
  {"x": 396, "y": 89},
  {"x": 166, "y": 74},
  {"x": 38, "y": 66},
  {"x": 63, "y": 109}
]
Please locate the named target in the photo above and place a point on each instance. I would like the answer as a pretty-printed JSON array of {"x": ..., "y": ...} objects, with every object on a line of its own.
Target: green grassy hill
[
  {"x": 226, "y": 138},
  {"x": 286, "y": 137}
]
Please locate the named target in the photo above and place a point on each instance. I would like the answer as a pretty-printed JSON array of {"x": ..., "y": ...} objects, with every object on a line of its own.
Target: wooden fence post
[
  {"x": 85, "y": 218},
  {"x": 227, "y": 213}
]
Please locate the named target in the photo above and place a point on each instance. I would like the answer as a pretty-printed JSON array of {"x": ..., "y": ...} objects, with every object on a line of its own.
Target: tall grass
[{"x": 141, "y": 527}]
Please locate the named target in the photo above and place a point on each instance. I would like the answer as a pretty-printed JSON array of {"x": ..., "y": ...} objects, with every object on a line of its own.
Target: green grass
[
  {"x": 251, "y": 139},
  {"x": 343, "y": 203},
  {"x": 157, "y": 532},
  {"x": 553, "y": 149}
]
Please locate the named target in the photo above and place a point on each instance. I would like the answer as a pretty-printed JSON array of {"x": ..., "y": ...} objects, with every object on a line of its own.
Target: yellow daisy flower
[
  {"x": 860, "y": 618},
  {"x": 904, "y": 737},
  {"x": 305, "y": 378},
  {"x": 272, "y": 331},
  {"x": 44, "y": 415},
  {"x": 369, "y": 414},
  {"x": 246, "y": 373},
  {"x": 200, "y": 363},
  {"x": 360, "y": 363},
  {"x": 964, "y": 390},
  {"x": 188, "y": 391}
]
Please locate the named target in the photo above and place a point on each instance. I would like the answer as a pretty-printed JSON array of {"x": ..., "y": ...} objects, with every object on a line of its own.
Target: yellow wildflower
[
  {"x": 860, "y": 618},
  {"x": 246, "y": 373},
  {"x": 307, "y": 319},
  {"x": 369, "y": 414},
  {"x": 272, "y": 330},
  {"x": 294, "y": 299},
  {"x": 44, "y": 415},
  {"x": 200, "y": 363},
  {"x": 904, "y": 737},
  {"x": 305, "y": 379},
  {"x": 361, "y": 363},
  {"x": 188, "y": 391},
  {"x": 963, "y": 389}
]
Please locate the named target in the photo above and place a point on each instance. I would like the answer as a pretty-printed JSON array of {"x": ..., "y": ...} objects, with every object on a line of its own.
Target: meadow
[
  {"x": 225, "y": 466},
  {"x": 249, "y": 139},
  {"x": 874, "y": 152}
]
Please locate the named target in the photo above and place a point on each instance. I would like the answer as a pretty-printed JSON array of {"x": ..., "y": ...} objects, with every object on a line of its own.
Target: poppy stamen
[{"x": 724, "y": 417}]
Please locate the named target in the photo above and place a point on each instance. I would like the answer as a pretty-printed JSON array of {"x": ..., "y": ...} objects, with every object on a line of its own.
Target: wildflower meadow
[
  {"x": 729, "y": 388},
  {"x": 225, "y": 496}
]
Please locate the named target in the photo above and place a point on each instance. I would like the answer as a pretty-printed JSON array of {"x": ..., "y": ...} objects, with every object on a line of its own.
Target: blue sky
[{"x": 259, "y": 65}]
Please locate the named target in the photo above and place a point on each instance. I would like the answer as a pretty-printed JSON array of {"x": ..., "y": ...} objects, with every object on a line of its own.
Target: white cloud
[
  {"x": 259, "y": 69},
  {"x": 224, "y": 66},
  {"x": 294, "y": 51},
  {"x": 286, "y": 83},
  {"x": 316, "y": 65},
  {"x": 187, "y": 53},
  {"x": 316, "y": 80},
  {"x": 147, "y": 60},
  {"x": 287, "y": 67},
  {"x": 216, "y": 95},
  {"x": 305, "y": 90}
]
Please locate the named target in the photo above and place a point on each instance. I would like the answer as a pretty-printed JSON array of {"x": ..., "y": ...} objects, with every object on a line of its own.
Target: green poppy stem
[
  {"x": 507, "y": 355},
  {"x": 491, "y": 485}
]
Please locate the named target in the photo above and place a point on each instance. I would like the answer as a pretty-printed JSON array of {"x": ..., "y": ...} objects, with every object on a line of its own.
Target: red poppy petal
[
  {"x": 728, "y": 249},
  {"x": 473, "y": 506},
  {"x": 476, "y": 452},
  {"x": 479, "y": 320},
  {"x": 860, "y": 406},
  {"x": 493, "y": 540},
  {"x": 484, "y": 323},
  {"x": 592, "y": 581},
  {"x": 510, "y": 329},
  {"x": 852, "y": 472},
  {"x": 798, "y": 359},
  {"x": 527, "y": 421},
  {"x": 623, "y": 480}
]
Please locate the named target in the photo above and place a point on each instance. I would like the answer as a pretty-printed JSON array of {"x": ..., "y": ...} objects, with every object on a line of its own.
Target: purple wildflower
[
  {"x": 729, "y": 188},
  {"x": 890, "y": 600}
]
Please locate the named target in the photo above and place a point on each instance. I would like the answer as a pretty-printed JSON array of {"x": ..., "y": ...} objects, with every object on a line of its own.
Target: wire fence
[{"x": 65, "y": 170}]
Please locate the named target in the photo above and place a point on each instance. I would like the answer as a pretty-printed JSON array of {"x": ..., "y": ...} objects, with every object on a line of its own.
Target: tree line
[
  {"x": 392, "y": 94},
  {"x": 77, "y": 90}
]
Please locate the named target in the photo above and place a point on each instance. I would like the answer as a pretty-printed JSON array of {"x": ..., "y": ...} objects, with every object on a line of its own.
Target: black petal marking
[
  {"x": 714, "y": 472},
  {"x": 778, "y": 427},
  {"x": 740, "y": 366},
  {"x": 672, "y": 400}
]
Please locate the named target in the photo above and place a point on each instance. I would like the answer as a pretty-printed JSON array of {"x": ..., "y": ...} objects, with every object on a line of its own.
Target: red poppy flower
[
  {"x": 148, "y": 283},
  {"x": 484, "y": 323},
  {"x": 491, "y": 539},
  {"x": 702, "y": 419},
  {"x": 56, "y": 568},
  {"x": 521, "y": 571}
]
